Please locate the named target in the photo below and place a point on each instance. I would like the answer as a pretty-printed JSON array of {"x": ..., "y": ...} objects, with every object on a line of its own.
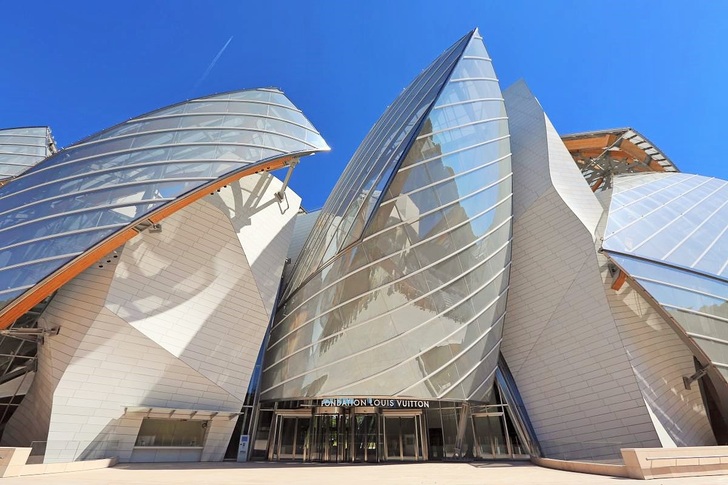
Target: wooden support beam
[{"x": 619, "y": 280}]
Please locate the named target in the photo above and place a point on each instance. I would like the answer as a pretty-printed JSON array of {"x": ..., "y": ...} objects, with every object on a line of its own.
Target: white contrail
[{"x": 212, "y": 64}]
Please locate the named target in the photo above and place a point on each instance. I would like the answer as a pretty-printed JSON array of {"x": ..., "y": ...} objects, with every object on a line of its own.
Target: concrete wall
[{"x": 172, "y": 320}]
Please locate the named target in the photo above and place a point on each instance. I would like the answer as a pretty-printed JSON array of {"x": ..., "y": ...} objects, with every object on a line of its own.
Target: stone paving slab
[{"x": 500, "y": 473}]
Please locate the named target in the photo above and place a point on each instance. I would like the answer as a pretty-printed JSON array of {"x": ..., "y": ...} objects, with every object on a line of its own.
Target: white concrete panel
[
  {"x": 264, "y": 226},
  {"x": 173, "y": 320},
  {"x": 190, "y": 290},
  {"x": 560, "y": 339},
  {"x": 570, "y": 183},
  {"x": 659, "y": 360}
]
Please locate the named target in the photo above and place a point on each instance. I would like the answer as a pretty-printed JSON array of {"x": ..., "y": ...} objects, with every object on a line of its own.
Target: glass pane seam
[
  {"x": 479, "y": 58},
  {"x": 477, "y": 389},
  {"x": 41, "y": 260},
  {"x": 457, "y": 383},
  {"x": 386, "y": 342},
  {"x": 15, "y": 164},
  {"x": 425, "y": 295},
  {"x": 706, "y": 220},
  {"x": 463, "y": 351},
  {"x": 691, "y": 311},
  {"x": 707, "y": 337},
  {"x": 17, "y": 288},
  {"x": 682, "y": 213},
  {"x": 181, "y": 116},
  {"x": 443, "y": 206},
  {"x": 106, "y": 188},
  {"x": 251, "y": 101},
  {"x": 467, "y": 101},
  {"x": 463, "y": 79},
  {"x": 672, "y": 285},
  {"x": 20, "y": 154},
  {"x": 443, "y": 180},
  {"x": 661, "y": 206},
  {"x": 464, "y": 125},
  {"x": 189, "y": 129},
  {"x": 62, "y": 234},
  {"x": 122, "y": 167},
  {"x": 148, "y": 148},
  {"x": 424, "y": 241}
]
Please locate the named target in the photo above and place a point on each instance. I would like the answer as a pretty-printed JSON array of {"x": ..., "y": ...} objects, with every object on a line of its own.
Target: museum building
[{"x": 476, "y": 286}]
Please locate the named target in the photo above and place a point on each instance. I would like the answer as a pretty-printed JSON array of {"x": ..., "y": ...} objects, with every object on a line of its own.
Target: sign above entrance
[{"x": 376, "y": 402}]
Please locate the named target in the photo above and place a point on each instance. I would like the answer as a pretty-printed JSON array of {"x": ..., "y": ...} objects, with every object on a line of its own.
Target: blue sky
[{"x": 659, "y": 67}]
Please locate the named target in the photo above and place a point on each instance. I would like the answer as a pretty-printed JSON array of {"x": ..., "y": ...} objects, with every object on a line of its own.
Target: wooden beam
[
  {"x": 633, "y": 151},
  {"x": 596, "y": 142},
  {"x": 18, "y": 307},
  {"x": 599, "y": 183},
  {"x": 619, "y": 280}
]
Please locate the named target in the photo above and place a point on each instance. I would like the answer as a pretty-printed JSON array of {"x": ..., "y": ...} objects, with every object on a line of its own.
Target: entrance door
[
  {"x": 328, "y": 442},
  {"x": 402, "y": 438},
  {"x": 491, "y": 435},
  {"x": 365, "y": 436},
  {"x": 292, "y": 435}
]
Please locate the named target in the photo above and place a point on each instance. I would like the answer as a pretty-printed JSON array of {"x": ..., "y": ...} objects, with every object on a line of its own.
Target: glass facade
[
  {"x": 669, "y": 233},
  {"x": 87, "y": 193},
  {"x": 401, "y": 286},
  {"x": 21, "y": 148},
  {"x": 698, "y": 303}
]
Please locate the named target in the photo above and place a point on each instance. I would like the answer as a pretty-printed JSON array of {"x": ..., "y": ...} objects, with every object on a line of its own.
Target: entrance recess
[
  {"x": 291, "y": 435},
  {"x": 403, "y": 438},
  {"x": 369, "y": 434}
]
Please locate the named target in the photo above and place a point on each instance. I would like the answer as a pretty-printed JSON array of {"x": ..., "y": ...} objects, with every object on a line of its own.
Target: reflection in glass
[
  {"x": 404, "y": 277},
  {"x": 111, "y": 181}
]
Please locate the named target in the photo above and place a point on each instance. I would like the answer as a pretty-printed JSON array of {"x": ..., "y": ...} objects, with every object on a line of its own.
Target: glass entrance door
[
  {"x": 491, "y": 436},
  {"x": 403, "y": 437},
  {"x": 328, "y": 442},
  {"x": 365, "y": 437},
  {"x": 292, "y": 436}
]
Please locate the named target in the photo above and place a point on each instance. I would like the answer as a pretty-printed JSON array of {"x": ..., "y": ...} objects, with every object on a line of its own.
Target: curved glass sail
[
  {"x": 87, "y": 193},
  {"x": 21, "y": 148},
  {"x": 675, "y": 218},
  {"x": 404, "y": 278},
  {"x": 669, "y": 232}
]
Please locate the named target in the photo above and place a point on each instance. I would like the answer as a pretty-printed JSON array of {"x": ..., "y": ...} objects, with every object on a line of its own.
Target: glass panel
[
  {"x": 170, "y": 432},
  {"x": 393, "y": 438}
]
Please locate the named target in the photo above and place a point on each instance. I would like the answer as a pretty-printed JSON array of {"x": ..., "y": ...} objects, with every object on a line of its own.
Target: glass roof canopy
[
  {"x": 74, "y": 207},
  {"x": 21, "y": 148},
  {"x": 669, "y": 232}
]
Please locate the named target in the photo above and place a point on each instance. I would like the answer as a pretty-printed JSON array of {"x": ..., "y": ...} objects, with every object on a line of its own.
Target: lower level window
[{"x": 171, "y": 432}]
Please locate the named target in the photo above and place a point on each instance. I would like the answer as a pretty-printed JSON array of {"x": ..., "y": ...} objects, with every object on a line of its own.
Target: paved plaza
[{"x": 518, "y": 473}]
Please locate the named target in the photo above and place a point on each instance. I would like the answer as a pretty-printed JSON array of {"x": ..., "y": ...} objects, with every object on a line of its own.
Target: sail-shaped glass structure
[
  {"x": 669, "y": 232},
  {"x": 404, "y": 277},
  {"x": 74, "y": 207}
]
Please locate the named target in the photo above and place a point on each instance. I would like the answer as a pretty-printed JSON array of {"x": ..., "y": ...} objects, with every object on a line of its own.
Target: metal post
[{"x": 291, "y": 165}]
